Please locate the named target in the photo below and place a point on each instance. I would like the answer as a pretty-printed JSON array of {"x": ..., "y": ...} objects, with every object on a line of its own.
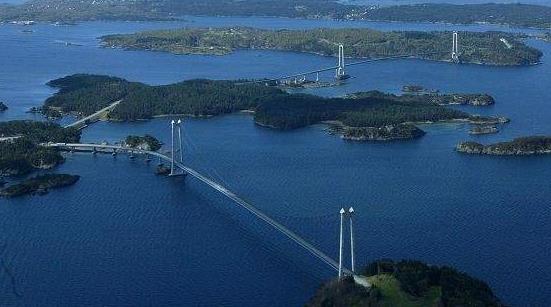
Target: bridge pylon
[
  {"x": 340, "y": 72},
  {"x": 350, "y": 214},
  {"x": 341, "y": 242},
  {"x": 455, "y": 47},
  {"x": 176, "y": 124}
]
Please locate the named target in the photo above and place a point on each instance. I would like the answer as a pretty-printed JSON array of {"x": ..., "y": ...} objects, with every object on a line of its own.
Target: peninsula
[
  {"x": 407, "y": 283},
  {"x": 68, "y": 11},
  {"x": 387, "y": 116},
  {"x": 526, "y": 146},
  {"x": 476, "y": 47}
]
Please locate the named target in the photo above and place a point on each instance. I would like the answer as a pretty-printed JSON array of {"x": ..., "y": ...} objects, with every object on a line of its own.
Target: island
[
  {"x": 39, "y": 185},
  {"x": 525, "y": 146},
  {"x": 487, "y": 48},
  {"x": 69, "y": 11},
  {"x": 3, "y": 106},
  {"x": 483, "y": 129},
  {"x": 406, "y": 283},
  {"x": 361, "y": 116},
  {"x": 20, "y": 146},
  {"x": 146, "y": 142}
]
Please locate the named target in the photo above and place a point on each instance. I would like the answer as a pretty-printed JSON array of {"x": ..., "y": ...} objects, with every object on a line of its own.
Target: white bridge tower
[
  {"x": 455, "y": 47},
  {"x": 340, "y": 73},
  {"x": 178, "y": 125},
  {"x": 341, "y": 230}
]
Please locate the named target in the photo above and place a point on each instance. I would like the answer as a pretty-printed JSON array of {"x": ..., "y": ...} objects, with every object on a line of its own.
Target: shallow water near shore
[{"x": 123, "y": 236}]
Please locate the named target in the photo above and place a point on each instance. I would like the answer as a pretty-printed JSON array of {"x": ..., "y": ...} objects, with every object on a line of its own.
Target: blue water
[{"x": 123, "y": 236}]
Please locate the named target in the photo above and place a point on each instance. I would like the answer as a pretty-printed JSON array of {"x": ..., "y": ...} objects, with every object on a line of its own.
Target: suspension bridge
[
  {"x": 106, "y": 148},
  {"x": 178, "y": 164},
  {"x": 340, "y": 68}
]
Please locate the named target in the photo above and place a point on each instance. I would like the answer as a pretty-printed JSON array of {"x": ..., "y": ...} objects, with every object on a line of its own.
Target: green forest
[
  {"x": 475, "y": 47},
  {"x": 518, "y": 15}
]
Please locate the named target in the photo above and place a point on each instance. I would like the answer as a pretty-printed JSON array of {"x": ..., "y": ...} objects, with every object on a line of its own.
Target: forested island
[
  {"x": 3, "y": 106},
  {"x": 407, "y": 283},
  {"x": 68, "y": 11},
  {"x": 525, "y": 146},
  {"x": 476, "y": 47},
  {"x": 39, "y": 185},
  {"x": 272, "y": 107},
  {"x": 21, "y": 153}
]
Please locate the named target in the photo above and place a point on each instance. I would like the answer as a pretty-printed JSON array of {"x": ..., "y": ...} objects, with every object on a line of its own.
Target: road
[{"x": 81, "y": 123}]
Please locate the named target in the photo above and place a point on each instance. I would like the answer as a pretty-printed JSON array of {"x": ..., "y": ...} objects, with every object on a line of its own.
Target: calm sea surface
[{"x": 123, "y": 236}]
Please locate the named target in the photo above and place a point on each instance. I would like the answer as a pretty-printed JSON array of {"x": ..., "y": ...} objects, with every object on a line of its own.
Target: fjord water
[{"x": 123, "y": 236}]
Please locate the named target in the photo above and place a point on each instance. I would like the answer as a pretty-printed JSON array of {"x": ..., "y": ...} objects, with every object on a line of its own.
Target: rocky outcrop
[{"x": 3, "y": 107}]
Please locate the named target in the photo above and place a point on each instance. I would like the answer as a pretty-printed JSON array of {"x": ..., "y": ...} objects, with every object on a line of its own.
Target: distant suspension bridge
[{"x": 340, "y": 68}]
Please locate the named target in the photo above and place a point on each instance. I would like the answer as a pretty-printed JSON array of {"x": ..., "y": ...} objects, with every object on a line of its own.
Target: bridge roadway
[
  {"x": 224, "y": 191},
  {"x": 350, "y": 64},
  {"x": 81, "y": 123}
]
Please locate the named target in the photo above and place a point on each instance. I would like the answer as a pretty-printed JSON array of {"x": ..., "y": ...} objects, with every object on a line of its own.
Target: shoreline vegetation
[
  {"x": 373, "y": 116},
  {"x": 486, "y": 48},
  {"x": 407, "y": 283},
  {"x": 525, "y": 146},
  {"x": 69, "y": 11}
]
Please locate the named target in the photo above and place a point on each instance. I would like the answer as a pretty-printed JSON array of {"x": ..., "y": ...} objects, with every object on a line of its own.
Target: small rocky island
[
  {"x": 3, "y": 106},
  {"x": 39, "y": 185},
  {"x": 406, "y": 283},
  {"x": 147, "y": 142},
  {"x": 526, "y": 146}
]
